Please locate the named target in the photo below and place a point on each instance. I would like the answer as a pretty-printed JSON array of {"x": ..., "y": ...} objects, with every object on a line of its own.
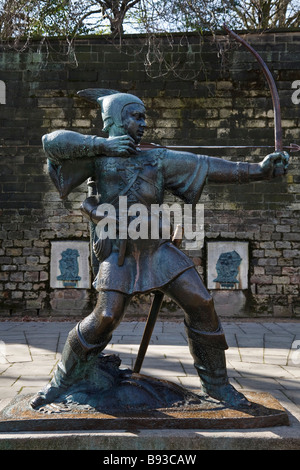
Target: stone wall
[{"x": 212, "y": 99}]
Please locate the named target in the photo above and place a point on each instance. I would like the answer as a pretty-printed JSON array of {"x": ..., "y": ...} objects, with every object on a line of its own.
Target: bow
[
  {"x": 276, "y": 107},
  {"x": 272, "y": 85}
]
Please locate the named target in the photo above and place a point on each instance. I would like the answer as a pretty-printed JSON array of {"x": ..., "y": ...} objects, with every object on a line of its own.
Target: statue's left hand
[
  {"x": 120, "y": 146},
  {"x": 275, "y": 164}
]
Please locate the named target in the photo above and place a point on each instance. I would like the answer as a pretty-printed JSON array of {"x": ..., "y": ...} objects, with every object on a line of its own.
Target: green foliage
[
  {"x": 69, "y": 18},
  {"x": 199, "y": 15}
]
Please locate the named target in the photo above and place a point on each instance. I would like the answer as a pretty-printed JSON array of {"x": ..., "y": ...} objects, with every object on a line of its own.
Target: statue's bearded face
[{"x": 134, "y": 121}]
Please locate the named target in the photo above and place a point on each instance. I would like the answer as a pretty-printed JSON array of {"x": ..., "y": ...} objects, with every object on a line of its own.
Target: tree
[
  {"x": 197, "y": 15},
  {"x": 23, "y": 18},
  {"x": 264, "y": 14},
  {"x": 115, "y": 12},
  {"x": 27, "y": 18},
  {"x": 14, "y": 17}
]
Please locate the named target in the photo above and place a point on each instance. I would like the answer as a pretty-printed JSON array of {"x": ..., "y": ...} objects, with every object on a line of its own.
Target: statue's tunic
[{"x": 148, "y": 263}]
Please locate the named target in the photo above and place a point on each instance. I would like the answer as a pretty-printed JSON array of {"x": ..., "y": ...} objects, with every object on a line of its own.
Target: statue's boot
[
  {"x": 207, "y": 349},
  {"x": 75, "y": 350}
]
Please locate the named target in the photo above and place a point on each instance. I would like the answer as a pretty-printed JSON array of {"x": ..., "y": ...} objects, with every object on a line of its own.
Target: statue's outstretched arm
[{"x": 224, "y": 171}]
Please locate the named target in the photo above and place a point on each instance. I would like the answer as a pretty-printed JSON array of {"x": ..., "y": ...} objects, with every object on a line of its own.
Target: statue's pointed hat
[{"x": 112, "y": 103}]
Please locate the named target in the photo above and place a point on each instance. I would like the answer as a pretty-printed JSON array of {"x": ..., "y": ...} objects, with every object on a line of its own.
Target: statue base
[
  {"x": 264, "y": 412},
  {"x": 104, "y": 397}
]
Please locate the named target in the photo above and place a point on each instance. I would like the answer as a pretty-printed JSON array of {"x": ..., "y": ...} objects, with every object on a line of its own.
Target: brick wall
[{"x": 227, "y": 103}]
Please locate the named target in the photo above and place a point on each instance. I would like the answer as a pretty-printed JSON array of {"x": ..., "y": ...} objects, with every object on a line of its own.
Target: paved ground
[{"x": 262, "y": 356}]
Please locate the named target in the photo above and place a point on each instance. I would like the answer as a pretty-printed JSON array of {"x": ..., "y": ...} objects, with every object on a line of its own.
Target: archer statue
[{"x": 120, "y": 166}]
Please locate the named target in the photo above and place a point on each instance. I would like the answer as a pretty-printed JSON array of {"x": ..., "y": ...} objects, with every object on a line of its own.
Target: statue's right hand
[{"x": 120, "y": 146}]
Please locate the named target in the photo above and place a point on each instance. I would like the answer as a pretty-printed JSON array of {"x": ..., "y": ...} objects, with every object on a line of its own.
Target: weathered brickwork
[{"x": 228, "y": 105}]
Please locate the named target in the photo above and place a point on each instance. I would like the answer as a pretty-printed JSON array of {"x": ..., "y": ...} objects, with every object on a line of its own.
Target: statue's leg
[
  {"x": 106, "y": 316},
  {"x": 206, "y": 338},
  {"x": 92, "y": 334}
]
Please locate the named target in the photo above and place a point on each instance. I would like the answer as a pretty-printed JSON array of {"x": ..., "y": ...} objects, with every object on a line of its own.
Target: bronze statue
[{"x": 120, "y": 166}]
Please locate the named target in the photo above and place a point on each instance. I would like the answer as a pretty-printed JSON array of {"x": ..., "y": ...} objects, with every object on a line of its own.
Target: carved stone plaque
[
  {"x": 70, "y": 265},
  {"x": 227, "y": 265}
]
